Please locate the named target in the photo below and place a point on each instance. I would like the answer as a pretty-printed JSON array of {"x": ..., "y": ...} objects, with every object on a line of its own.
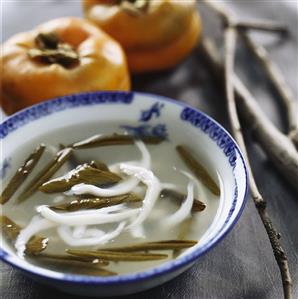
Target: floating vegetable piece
[
  {"x": 46, "y": 173},
  {"x": 36, "y": 245},
  {"x": 88, "y": 217},
  {"x": 197, "y": 206},
  {"x": 198, "y": 169},
  {"x": 99, "y": 165},
  {"x": 158, "y": 245},
  {"x": 71, "y": 258},
  {"x": 125, "y": 186},
  {"x": 80, "y": 265},
  {"x": 92, "y": 236},
  {"x": 97, "y": 203},
  {"x": 74, "y": 161},
  {"x": 114, "y": 139},
  {"x": 11, "y": 230},
  {"x": 21, "y": 174},
  {"x": 153, "y": 190},
  {"x": 82, "y": 174},
  {"x": 117, "y": 256}
]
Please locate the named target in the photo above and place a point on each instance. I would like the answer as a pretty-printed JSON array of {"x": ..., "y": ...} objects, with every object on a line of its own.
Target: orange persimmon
[
  {"x": 156, "y": 34},
  {"x": 60, "y": 57}
]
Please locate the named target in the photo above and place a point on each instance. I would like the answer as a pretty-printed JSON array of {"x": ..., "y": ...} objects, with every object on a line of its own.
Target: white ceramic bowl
[{"x": 138, "y": 113}]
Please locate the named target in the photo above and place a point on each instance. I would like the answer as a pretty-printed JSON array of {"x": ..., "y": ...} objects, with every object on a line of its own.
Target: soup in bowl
[{"x": 113, "y": 188}]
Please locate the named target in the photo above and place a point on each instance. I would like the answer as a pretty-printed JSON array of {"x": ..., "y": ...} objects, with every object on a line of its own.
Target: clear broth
[{"x": 166, "y": 165}]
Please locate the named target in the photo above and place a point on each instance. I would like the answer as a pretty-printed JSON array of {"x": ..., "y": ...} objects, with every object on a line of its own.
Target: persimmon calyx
[
  {"x": 49, "y": 49},
  {"x": 134, "y": 7}
]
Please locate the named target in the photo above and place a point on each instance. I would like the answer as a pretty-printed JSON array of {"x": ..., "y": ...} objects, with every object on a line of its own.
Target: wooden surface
[{"x": 242, "y": 265}]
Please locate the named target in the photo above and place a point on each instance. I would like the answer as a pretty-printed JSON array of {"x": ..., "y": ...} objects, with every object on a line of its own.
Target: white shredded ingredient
[
  {"x": 152, "y": 193},
  {"x": 138, "y": 232},
  {"x": 72, "y": 227},
  {"x": 144, "y": 162},
  {"x": 184, "y": 210},
  {"x": 66, "y": 235},
  {"x": 36, "y": 225},
  {"x": 123, "y": 187},
  {"x": 91, "y": 217}
]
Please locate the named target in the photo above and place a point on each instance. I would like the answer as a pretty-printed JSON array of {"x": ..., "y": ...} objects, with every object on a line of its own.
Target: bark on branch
[
  {"x": 278, "y": 81},
  {"x": 264, "y": 129}
]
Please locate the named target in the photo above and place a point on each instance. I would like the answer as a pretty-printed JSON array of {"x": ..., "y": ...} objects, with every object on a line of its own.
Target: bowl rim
[{"x": 162, "y": 269}]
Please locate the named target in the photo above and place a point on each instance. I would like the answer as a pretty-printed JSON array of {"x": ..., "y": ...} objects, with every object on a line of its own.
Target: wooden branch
[
  {"x": 230, "y": 37},
  {"x": 260, "y": 203},
  {"x": 230, "y": 34},
  {"x": 232, "y": 82},
  {"x": 277, "y": 146},
  {"x": 261, "y": 25},
  {"x": 221, "y": 10},
  {"x": 293, "y": 135},
  {"x": 276, "y": 78}
]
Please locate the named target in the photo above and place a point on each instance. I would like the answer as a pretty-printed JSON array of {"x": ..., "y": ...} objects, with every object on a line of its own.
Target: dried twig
[
  {"x": 276, "y": 78},
  {"x": 278, "y": 147},
  {"x": 261, "y": 25},
  {"x": 231, "y": 83}
]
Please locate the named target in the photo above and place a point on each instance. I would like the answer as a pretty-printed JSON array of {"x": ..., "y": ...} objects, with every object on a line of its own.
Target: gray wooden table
[{"x": 242, "y": 265}]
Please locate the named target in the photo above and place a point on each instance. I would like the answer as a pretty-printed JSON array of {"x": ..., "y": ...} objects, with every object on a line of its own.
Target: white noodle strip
[
  {"x": 123, "y": 187},
  {"x": 144, "y": 162},
  {"x": 146, "y": 158},
  {"x": 66, "y": 235},
  {"x": 91, "y": 217},
  {"x": 184, "y": 210},
  {"x": 83, "y": 232},
  {"x": 200, "y": 189},
  {"x": 87, "y": 213},
  {"x": 79, "y": 231},
  {"x": 93, "y": 232},
  {"x": 169, "y": 186},
  {"x": 36, "y": 225},
  {"x": 110, "y": 209},
  {"x": 152, "y": 193},
  {"x": 138, "y": 232},
  {"x": 115, "y": 167}
]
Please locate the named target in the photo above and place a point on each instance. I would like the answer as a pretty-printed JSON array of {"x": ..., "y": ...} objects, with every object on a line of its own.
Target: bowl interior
[{"x": 73, "y": 118}]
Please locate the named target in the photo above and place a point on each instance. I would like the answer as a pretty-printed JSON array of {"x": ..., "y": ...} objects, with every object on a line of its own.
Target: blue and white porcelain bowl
[{"x": 138, "y": 114}]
